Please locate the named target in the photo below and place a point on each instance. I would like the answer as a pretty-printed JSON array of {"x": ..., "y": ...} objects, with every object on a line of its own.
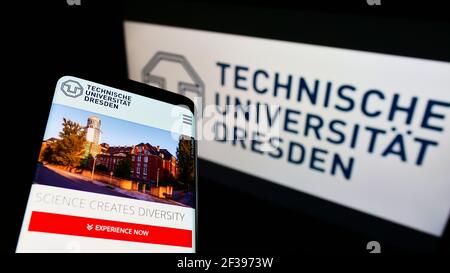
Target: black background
[{"x": 47, "y": 40}]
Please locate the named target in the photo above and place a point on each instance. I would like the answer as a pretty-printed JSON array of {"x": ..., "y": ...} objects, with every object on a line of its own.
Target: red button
[{"x": 107, "y": 229}]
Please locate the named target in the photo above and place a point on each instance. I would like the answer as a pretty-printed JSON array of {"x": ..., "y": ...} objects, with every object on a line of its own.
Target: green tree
[
  {"x": 186, "y": 162},
  {"x": 69, "y": 149},
  {"x": 123, "y": 169},
  {"x": 46, "y": 155}
]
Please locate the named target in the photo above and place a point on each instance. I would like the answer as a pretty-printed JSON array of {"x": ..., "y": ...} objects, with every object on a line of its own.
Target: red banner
[{"x": 107, "y": 229}]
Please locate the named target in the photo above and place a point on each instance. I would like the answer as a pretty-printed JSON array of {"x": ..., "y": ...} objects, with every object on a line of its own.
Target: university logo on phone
[{"x": 72, "y": 88}]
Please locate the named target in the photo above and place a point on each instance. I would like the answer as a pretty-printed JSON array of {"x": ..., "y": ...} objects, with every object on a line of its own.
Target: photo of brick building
[
  {"x": 148, "y": 163},
  {"x": 101, "y": 154}
]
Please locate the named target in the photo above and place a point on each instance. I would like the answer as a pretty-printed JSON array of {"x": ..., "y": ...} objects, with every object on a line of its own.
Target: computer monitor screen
[{"x": 297, "y": 110}]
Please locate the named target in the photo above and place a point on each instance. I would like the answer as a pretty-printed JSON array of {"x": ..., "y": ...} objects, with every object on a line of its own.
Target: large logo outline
[{"x": 147, "y": 77}]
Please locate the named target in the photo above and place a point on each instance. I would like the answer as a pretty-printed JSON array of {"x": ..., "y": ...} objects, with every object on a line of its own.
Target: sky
[{"x": 115, "y": 132}]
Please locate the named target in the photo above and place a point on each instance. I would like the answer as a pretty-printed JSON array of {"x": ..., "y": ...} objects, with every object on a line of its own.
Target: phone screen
[{"x": 116, "y": 173}]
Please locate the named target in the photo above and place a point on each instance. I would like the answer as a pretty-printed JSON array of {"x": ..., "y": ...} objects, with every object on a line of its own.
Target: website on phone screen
[{"x": 115, "y": 173}]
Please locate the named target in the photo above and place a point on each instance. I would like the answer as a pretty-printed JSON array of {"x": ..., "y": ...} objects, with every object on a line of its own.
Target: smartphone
[{"x": 116, "y": 172}]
